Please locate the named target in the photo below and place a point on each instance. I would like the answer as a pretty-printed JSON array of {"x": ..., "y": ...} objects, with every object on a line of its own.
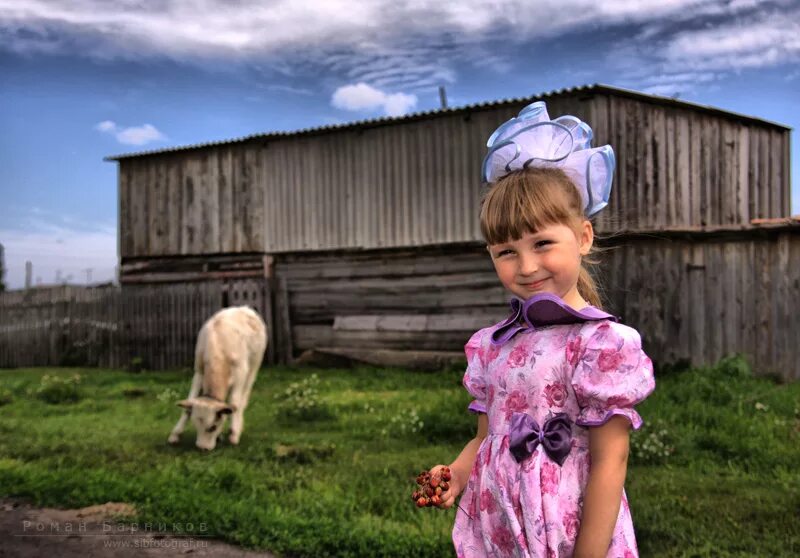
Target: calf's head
[{"x": 208, "y": 416}]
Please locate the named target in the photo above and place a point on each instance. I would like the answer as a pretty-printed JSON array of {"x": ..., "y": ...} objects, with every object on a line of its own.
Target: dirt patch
[{"x": 101, "y": 531}]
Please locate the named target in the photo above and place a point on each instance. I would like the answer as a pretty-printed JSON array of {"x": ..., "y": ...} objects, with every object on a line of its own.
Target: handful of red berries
[{"x": 431, "y": 487}]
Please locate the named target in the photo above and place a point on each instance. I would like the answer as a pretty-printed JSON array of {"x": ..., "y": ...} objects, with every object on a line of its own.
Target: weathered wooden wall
[
  {"x": 678, "y": 166},
  {"x": 695, "y": 296},
  {"x": 58, "y": 325},
  {"x": 415, "y": 181},
  {"x": 112, "y": 326},
  {"x": 699, "y": 296}
]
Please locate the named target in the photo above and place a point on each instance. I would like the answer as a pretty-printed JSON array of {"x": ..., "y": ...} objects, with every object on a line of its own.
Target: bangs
[{"x": 527, "y": 201}]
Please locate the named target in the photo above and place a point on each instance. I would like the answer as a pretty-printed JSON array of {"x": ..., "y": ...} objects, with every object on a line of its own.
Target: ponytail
[{"x": 587, "y": 287}]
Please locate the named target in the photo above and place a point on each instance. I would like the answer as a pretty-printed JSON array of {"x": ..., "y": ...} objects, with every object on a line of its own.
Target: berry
[{"x": 431, "y": 487}]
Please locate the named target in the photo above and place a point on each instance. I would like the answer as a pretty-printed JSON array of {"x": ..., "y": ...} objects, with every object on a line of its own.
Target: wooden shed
[{"x": 362, "y": 239}]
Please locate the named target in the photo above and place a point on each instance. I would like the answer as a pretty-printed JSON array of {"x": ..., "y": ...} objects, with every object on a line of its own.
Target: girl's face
[{"x": 548, "y": 260}]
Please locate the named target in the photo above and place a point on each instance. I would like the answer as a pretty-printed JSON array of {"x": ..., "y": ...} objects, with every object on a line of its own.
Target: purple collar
[{"x": 541, "y": 310}]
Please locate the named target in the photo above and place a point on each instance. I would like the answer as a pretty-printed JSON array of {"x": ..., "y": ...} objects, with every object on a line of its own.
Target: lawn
[{"x": 326, "y": 468}]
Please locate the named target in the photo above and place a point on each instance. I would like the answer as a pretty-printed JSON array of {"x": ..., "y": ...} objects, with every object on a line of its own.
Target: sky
[{"x": 84, "y": 79}]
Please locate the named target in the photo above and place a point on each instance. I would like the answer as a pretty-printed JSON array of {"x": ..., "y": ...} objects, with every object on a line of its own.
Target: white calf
[{"x": 230, "y": 347}]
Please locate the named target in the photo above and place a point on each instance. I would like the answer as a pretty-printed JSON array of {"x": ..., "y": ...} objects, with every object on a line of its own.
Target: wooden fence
[
  {"x": 152, "y": 326},
  {"x": 58, "y": 325},
  {"x": 695, "y": 296}
]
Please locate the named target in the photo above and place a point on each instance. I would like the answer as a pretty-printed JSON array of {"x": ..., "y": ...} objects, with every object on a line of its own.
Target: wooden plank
[
  {"x": 670, "y": 174},
  {"x": 284, "y": 324},
  {"x": 353, "y": 265},
  {"x": 312, "y": 336},
  {"x": 752, "y": 173},
  {"x": 776, "y": 182},
  {"x": 743, "y": 188},
  {"x": 415, "y": 322},
  {"x": 785, "y": 173},
  {"x": 682, "y": 160},
  {"x": 729, "y": 171},
  {"x": 137, "y": 209},
  {"x": 733, "y": 265},
  {"x": 189, "y": 206},
  {"x": 696, "y": 270},
  {"x": 125, "y": 225},
  {"x": 763, "y": 281},
  {"x": 210, "y": 208},
  {"x": 727, "y": 299},
  {"x": 661, "y": 199},
  {"x": 783, "y": 308},
  {"x": 638, "y": 153},
  {"x": 225, "y": 210},
  {"x": 255, "y": 200},
  {"x": 706, "y": 154},
  {"x": 680, "y": 321},
  {"x": 399, "y": 285},
  {"x": 718, "y": 314},
  {"x": 695, "y": 182},
  {"x": 719, "y": 190},
  {"x": 172, "y": 206},
  {"x": 793, "y": 354},
  {"x": 625, "y": 191},
  {"x": 762, "y": 181},
  {"x": 327, "y": 305},
  {"x": 148, "y": 278},
  {"x": 159, "y": 208}
]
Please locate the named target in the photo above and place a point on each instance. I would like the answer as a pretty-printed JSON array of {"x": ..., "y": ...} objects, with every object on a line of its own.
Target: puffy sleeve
[
  {"x": 612, "y": 375},
  {"x": 475, "y": 376}
]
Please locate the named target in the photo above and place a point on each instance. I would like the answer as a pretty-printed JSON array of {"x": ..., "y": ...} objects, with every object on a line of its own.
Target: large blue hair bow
[{"x": 532, "y": 139}]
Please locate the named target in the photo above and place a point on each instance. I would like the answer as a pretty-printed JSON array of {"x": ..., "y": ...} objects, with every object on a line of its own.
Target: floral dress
[{"x": 590, "y": 371}]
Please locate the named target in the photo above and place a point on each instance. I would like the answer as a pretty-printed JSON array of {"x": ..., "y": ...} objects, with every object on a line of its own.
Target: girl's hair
[{"x": 527, "y": 201}]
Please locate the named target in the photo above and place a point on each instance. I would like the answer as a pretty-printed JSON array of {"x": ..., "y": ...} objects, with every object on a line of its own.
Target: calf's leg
[
  {"x": 238, "y": 401},
  {"x": 194, "y": 391}
]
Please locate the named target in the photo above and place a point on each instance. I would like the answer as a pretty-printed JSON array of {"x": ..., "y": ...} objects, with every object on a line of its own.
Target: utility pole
[
  {"x": 28, "y": 275},
  {"x": 443, "y": 96}
]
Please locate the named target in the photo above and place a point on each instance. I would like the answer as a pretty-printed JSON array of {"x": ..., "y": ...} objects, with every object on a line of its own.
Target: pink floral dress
[{"x": 590, "y": 371}]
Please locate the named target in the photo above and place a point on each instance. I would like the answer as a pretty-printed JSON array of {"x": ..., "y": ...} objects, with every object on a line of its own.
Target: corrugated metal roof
[{"x": 595, "y": 88}]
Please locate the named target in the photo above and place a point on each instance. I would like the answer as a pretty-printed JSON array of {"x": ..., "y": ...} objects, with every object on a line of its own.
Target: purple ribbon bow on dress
[
  {"x": 555, "y": 436},
  {"x": 541, "y": 310}
]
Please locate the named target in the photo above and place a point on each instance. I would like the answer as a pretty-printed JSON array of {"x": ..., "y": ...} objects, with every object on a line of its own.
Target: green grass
[{"x": 336, "y": 485}]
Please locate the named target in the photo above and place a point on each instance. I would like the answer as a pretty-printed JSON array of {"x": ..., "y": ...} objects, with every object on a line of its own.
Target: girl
[{"x": 555, "y": 384}]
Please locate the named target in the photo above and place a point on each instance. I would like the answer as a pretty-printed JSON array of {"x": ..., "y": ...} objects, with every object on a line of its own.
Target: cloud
[
  {"x": 289, "y": 89},
  {"x": 387, "y": 44},
  {"x": 675, "y": 84},
  {"x": 54, "y": 249},
  {"x": 686, "y": 52},
  {"x": 760, "y": 41},
  {"x": 408, "y": 46},
  {"x": 363, "y": 97},
  {"x": 106, "y": 126},
  {"x": 135, "y": 135}
]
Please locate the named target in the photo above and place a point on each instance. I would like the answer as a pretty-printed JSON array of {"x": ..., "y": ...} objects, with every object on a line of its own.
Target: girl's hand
[{"x": 456, "y": 486}]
